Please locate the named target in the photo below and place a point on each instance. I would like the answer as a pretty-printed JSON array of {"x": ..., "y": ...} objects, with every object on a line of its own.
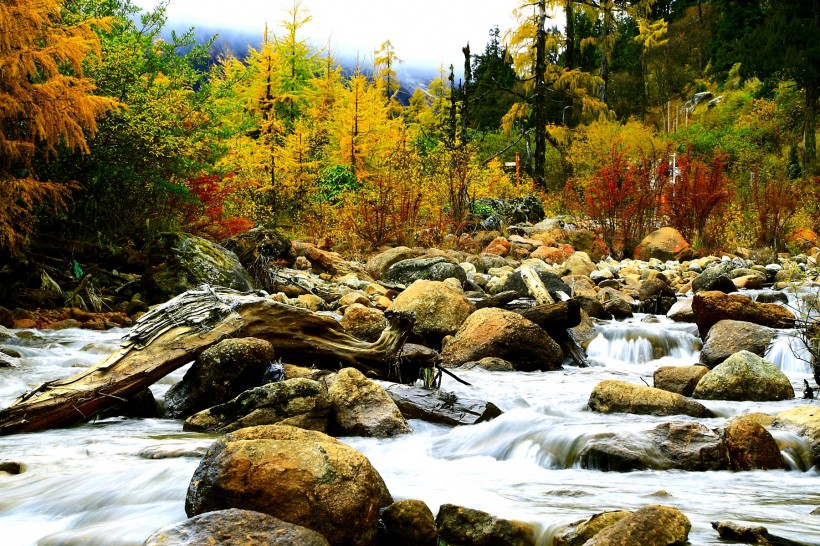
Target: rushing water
[{"x": 115, "y": 481}]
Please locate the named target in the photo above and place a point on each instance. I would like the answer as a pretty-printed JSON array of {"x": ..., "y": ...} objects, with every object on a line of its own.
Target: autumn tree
[
  {"x": 47, "y": 105},
  {"x": 384, "y": 73}
]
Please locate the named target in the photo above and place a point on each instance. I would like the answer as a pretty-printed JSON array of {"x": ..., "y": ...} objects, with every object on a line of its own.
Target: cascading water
[{"x": 114, "y": 481}]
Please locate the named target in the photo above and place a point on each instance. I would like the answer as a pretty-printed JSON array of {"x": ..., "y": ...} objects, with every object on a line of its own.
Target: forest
[{"x": 698, "y": 114}]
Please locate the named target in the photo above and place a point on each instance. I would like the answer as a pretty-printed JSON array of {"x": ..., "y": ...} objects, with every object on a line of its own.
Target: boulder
[
  {"x": 744, "y": 376},
  {"x": 409, "y": 522},
  {"x": 584, "y": 240},
  {"x": 511, "y": 211},
  {"x": 806, "y": 421},
  {"x": 577, "y": 533},
  {"x": 324, "y": 261},
  {"x": 300, "y": 402},
  {"x": 437, "y": 268},
  {"x": 654, "y": 524},
  {"x": 556, "y": 254},
  {"x": 713, "y": 306},
  {"x": 750, "y": 446},
  {"x": 219, "y": 374},
  {"x": 235, "y": 527},
  {"x": 656, "y": 296},
  {"x": 578, "y": 264},
  {"x": 680, "y": 445},
  {"x": 378, "y": 264},
  {"x": 503, "y": 334},
  {"x": 727, "y": 337},
  {"x": 439, "y": 310},
  {"x": 365, "y": 323},
  {"x": 180, "y": 262},
  {"x": 552, "y": 282},
  {"x": 612, "y": 396},
  {"x": 469, "y": 527},
  {"x": 499, "y": 246},
  {"x": 491, "y": 364},
  {"x": 664, "y": 244},
  {"x": 682, "y": 311},
  {"x": 362, "y": 407},
  {"x": 678, "y": 379},
  {"x": 713, "y": 279},
  {"x": 303, "y": 477}
]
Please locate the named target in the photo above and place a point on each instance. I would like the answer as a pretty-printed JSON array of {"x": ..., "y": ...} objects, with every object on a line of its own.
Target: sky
[{"x": 424, "y": 33}]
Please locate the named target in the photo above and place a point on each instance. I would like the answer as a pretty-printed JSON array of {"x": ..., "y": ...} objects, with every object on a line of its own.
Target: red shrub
[{"x": 204, "y": 213}]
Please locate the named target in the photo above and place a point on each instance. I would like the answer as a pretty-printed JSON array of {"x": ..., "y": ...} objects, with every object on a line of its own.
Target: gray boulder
[
  {"x": 378, "y": 264},
  {"x": 713, "y": 278},
  {"x": 744, "y": 376},
  {"x": 297, "y": 402},
  {"x": 727, "y": 337},
  {"x": 437, "y": 268}
]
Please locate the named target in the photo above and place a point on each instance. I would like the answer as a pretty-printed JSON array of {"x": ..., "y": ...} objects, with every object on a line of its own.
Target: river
[{"x": 115, "y": 481}]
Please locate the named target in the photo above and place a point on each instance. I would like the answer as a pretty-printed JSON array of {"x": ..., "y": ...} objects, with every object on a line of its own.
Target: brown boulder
[
  {"x": 362, "y": 407},
  {"x": 378, "y": 264},
  {"x": 469, "y": 527},
  {"x": 439, "y": 309},
  {"x": 726, "y": 337},
  {"x": 497, "y": 247},
  {"x": 503, "y": 334},
  {"x": 679, "y": 379},
  {"x": 577, "y": 533},
  {"x": 654, "y": 524},
  {"x": 664, "y": 244},
  {"x": 410, "y": 522},
  {"x": 234, "y": 527},
  {"x": 300, "y": 476},
  {"x": 751, "y": 447},
  {"x": 613, "y": 396},
  {"x": 365, "y": 323},
  {"x": 712, "y": 306}
]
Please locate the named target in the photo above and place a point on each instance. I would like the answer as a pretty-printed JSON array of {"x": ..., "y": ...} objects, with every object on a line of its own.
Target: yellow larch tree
[{"x": 46, "y": 104}]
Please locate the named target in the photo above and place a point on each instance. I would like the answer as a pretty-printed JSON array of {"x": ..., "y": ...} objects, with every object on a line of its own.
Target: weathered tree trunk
[
  {"x": 536, "y": 286},
  {"x": 436, "y": 406},
  {"x": 558, "y": 316},
  {"x": 498, "y": 300},
  {"x": 178, "y": 331}
]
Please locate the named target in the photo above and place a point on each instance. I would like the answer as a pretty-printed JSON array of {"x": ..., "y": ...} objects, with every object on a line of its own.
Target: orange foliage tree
[{"x": 45, "y": 104}]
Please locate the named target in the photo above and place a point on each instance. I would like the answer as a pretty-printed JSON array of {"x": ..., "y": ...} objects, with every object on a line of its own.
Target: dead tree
[{"x": 176, "y": 332}]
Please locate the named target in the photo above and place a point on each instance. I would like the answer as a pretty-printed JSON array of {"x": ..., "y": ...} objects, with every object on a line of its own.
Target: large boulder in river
[
  {"x": 578, "y": 532},
  {"x": 180, "y": 262},
  {"x": 727, "y": 337},
  {"x": 664, "y": 244},
  {"x": 751, "y": 447},
  {"x": 503, "y": 334},
  {"x": 744, "y": 376},
  {"x": 679, "y": 379},
  {"x": 713, "y": 306},
  {"x": 713, "y": 279},
  {"x": 613, "y": 396},
  {"x": 297, "y": 402},
  {"x": 220, "y": 373},
  {"x": 234, "y": 527},
  {"x": 437, "y": 268},
  {"x": 439, "y": 309},
  {"x": 680, "y": 445},
  {"x": 470, "y": 527},
  {"x": 654, "y": 524},
  {"x": 300, "y": 476},
  {"x": 362, "y": 407}
]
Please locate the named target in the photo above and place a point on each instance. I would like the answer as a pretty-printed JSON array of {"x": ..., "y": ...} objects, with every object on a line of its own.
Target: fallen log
[
  {"x": 498, "y": 300},
  {"x": 176, "y": 332},
  {"x": 556, "y": 316},
  {"x": 536, "y": 286}
]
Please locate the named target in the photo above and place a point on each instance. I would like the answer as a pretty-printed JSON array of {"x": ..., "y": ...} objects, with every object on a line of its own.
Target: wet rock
[
  {"x": 679, "y": 379},
  {"x": 577, "y": 533},
  {"x": 727, "y": 337},
  {"x": 729, "y": 530},
  {"x": 439, "y": 309},
  {"x": 491, "y": 364},
  {"x": 713, "y": 279},
  {"x": 806, "y": 421},
  {"x": 654, "y": 524},
  {"x": 584, "y": 240},
  {"x": 378, "y": 264},
  {"x": 365, "y": 323},
  {"x": 301, "y": 402},
  {"x": 503, "y": 334},
  {"x": 664, "y": 244},
  {"x": 656, "y": 297},
  {"x": 361, "y": 407},
  {"x": 437, "y": 406},
  {"x": 744, "y": 376},
  {"x": 219, "y": 374},
  {"x": 409, "y": 522},
  {"x": 612, "y": 396},
  {"x": 300, "y": 476},
  {"x": 437, "y": 268},
  {"x": 234, "y": 527},
  {"x": 469, "y": 527},
  {"x": 11, "y": 467},
  {"x": 751, "y": 447},
  {"x": 552, "y": 283},
  {"x": 691, "y": 446},
  {"x": 712, "y": 307},
  {"x": 180, "y": 262},
  {"x": 682, "y": 311}
]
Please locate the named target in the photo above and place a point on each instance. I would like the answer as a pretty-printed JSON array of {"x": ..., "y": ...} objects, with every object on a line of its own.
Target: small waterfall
[
  {"x": 795, "y": 450},
  {"x": 789, "y": 353},
  {"x": 639, "y": 343}
]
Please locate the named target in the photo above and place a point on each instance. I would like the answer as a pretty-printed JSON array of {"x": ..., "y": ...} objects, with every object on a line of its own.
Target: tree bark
[
  {"x": 178, "y": 331},
  {"x": 558, "y": 316},
  {"x": 540, "y": 97}
]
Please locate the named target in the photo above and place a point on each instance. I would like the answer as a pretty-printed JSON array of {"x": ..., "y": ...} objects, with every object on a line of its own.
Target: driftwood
[
  {"x": 729, "y": 530},
  {"x": 498, "y": 300},
  {"x": 437, "y": 406},
  {"x": 536, "y": 286},
  {"x": 175, "y": 333}
]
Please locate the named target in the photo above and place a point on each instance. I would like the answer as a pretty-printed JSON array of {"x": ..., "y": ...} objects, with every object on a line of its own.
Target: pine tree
[{"x": 46, "y": 105}]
